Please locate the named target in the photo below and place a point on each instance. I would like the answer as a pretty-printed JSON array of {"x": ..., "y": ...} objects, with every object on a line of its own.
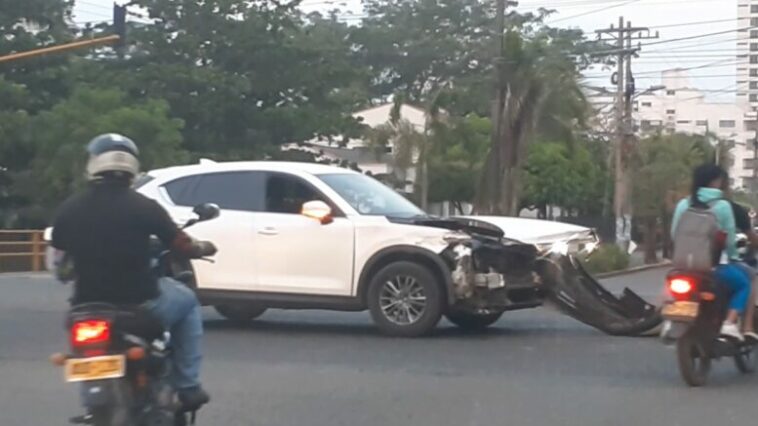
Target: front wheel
[
  {"x": 239, "y": 312},
  {"x": 694, "y": 360},
  {"x": 405, "y": 300},
  {"x": 473, "y": 322}
]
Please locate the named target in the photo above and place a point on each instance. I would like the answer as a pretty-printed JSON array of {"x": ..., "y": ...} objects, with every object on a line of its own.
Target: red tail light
[
  {"x": 680, "y": 286},
  {"x": 90, "y": 332}
]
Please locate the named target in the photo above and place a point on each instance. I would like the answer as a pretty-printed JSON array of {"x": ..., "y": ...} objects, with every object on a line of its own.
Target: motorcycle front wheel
[{"x": 694, "y": 360}]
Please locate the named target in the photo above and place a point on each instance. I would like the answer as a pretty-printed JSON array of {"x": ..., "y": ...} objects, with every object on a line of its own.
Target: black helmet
[{"x": 112, "y": 153}]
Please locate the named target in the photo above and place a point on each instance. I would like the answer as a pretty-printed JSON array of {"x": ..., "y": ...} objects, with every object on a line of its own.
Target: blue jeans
[
  {"x": 737, "y": 279},
  {"x": 179, "y": 311}
]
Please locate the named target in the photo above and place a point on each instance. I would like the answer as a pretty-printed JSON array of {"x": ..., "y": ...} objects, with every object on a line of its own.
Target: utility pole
[{"x": 624, "y": 139}]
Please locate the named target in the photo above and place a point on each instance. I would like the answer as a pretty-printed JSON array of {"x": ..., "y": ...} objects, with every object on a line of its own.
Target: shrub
[{"x": 607, "y": 258}]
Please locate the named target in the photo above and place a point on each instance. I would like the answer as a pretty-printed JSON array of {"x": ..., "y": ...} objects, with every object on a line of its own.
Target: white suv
[{"x": 307, "y": 236}]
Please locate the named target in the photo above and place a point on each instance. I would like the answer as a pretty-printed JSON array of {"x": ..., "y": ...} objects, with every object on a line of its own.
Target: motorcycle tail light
[
  {"x": 681, "y": 286},
  {"x": 90, "y": 332}
]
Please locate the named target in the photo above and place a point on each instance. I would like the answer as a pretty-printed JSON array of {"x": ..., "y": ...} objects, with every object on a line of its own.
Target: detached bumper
[{"x": 577, "y": 294}]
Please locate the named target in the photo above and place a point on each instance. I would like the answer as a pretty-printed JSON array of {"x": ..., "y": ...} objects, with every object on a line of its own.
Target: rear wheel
[
  {"x": 405, "y": 300},
  {"x": 746, "y": 360},
  {"x": 473, "y": 322},
  {"x": 694, "y": 360},
  {"x": 240, "y": 312}
]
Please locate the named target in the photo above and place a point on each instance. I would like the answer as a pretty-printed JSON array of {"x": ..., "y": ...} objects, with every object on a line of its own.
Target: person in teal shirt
[{"x": 707, "y": 181}]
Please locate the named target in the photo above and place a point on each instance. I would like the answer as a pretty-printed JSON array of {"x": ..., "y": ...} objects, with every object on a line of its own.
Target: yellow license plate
[
  {"x": 681, "y": 310},
  {"x": 96, "y": 368}
]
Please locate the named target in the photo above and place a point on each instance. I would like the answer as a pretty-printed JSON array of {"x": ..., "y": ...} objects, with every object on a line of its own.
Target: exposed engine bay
[{"x": 492, "y": 274}]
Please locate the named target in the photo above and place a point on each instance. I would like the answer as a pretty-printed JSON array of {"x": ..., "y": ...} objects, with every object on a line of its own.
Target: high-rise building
[{"x": 747, "y": 50}]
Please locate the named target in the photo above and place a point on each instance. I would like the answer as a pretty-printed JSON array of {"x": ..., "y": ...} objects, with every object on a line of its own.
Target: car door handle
[{"x": 268, "y": 231}]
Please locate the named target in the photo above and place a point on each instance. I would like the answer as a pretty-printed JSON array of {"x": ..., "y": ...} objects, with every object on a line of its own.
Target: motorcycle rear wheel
[
  {"x": 694, "y": 360},
  {"x": 746, "y": 360}
]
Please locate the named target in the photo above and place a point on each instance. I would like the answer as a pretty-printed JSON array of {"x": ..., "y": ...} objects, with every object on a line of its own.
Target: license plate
[
  {"x": 681, "y": 310},
  {"x": 96, "y": 368}
]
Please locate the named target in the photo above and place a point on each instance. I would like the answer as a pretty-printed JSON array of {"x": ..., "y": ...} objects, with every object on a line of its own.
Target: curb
[{"x": 632, "y": 270}]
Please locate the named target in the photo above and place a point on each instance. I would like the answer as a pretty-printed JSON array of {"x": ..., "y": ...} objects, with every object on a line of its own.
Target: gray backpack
[{"x": 697, "y": 245}]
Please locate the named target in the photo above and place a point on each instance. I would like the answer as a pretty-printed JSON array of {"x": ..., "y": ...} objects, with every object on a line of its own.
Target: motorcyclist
[
  {"x": 106, "y": 230},
  {"x": 707, "y": 183},
  {"x": 750, "y": 263}
]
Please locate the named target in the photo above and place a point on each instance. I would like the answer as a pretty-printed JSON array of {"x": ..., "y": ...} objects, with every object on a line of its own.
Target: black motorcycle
[
  {"x": 693, "y": 321},
  {"x": 121, "y": 355}
]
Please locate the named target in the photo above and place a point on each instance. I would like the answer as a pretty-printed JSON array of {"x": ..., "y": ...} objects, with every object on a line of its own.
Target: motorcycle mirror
[{"x": 206, "y": 211}]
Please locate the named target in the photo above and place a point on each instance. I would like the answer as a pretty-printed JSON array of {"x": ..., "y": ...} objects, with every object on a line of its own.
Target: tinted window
[
  {"x": 231, "y": 191},
  {"x": 180, "y": 190},
  {"x": 287, "y": 194}
]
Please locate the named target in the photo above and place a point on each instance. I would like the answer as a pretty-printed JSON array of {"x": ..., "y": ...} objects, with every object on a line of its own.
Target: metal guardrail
[{"x": 21, "y": 250}]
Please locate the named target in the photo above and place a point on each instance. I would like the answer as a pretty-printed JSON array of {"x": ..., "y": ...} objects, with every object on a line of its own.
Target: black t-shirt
[
  {"x": 107, "y": 229},
  {"x": 743, "y": 224}
]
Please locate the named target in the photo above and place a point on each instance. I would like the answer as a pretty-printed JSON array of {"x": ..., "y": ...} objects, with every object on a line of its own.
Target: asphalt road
[{"x": 534, "y": 368}]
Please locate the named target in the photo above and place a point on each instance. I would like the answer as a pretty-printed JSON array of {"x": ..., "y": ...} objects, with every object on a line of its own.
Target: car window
[
  {"x": 287, "y": 194},
  {"x": 231, "y": 190}
]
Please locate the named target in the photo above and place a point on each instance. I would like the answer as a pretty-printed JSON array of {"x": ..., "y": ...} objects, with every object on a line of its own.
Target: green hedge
[{"x": 607, "y": 258}]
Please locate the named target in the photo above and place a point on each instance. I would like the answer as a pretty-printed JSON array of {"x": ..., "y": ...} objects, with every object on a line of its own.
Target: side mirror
[
  {"x": 319, "y": 211},
  {"x": 206, "y": 211}
]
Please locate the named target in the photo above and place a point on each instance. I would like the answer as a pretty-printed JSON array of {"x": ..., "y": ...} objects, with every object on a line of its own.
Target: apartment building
[{"x": 747, "y": 50}]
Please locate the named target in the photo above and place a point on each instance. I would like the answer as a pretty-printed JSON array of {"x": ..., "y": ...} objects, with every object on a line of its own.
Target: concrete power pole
[{"x": 624, "y": 137}]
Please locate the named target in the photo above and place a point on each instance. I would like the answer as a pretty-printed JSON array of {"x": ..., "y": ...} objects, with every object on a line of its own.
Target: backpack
[{"x": 698, "y": 241}]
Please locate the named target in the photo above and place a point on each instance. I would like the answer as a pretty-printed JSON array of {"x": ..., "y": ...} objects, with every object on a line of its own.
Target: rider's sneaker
[
  {"x": 751, "y": 337},
  {"x": 193, "y": 398},
  {"x": 731, "y": 331}
]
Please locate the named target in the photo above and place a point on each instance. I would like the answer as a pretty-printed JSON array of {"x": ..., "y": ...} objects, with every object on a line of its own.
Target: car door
[
  {"x": 299, "y": 254},
  {"x": 239, "y": 195}
]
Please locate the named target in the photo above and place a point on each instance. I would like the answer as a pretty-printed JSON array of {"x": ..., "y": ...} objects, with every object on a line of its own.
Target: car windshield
[{"x": 370, "y": 197}]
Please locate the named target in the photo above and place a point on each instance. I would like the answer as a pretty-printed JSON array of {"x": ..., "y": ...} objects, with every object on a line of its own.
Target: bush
[{"x": 607, "y": 258}]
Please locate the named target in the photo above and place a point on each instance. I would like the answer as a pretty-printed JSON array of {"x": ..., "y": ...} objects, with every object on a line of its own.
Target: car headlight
[{"x": 559, "y": 247}]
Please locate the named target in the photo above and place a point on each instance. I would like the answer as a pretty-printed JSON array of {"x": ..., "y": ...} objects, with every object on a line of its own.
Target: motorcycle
[
  {"x": 121, "y": 355},
  {"x": 693, "y": 319}
]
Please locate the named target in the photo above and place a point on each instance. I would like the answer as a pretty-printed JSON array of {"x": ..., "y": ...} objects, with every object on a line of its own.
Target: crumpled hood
[
  {"x": 535, "y": 231},
  {"x": 707, "y": 195}
]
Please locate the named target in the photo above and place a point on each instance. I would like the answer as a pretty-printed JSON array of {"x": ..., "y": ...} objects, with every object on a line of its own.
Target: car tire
[
  {"x": 473, "y": 322},
  {"x": 405, "y": 300},
  {"x": 239, "y": 312}
]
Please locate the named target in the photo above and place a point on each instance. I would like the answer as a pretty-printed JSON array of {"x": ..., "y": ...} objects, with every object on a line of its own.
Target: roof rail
[{"x": 206, "y": 161}]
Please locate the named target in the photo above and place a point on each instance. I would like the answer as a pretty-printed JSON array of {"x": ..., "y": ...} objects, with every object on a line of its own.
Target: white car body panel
[{"x": 289, "y": 253}]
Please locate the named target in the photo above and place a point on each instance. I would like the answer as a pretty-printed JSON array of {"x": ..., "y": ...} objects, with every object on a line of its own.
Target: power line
[
  {"x": 686, "y": 24},
  {"x": 89, "y": 3},
  {"x": 602, "y": 9}
]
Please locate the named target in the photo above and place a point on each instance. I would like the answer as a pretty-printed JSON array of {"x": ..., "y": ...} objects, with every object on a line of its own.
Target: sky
[{"x": 673, "y": 19}]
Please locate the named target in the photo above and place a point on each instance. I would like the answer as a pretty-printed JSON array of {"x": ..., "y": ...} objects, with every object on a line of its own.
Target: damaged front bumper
[{"x": 491, "y": 276}]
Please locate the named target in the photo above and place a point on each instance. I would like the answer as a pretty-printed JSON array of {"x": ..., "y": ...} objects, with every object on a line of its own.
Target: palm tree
[
  {"x": 539, "y": 87},
  {"x": 410, "y": 145}
]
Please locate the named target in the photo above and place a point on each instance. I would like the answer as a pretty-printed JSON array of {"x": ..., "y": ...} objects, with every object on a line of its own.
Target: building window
[
  {"x": 754, "y": 98},
  {"x": 754, "y": 85},
  {"x": 754, "y": 47},
  {"x": 647, "y": 104},
  {"x": 753, "y": 33},
  {"x": 753, "y": 59},
  {"x": 754, "y": 8},
  {"x": 751, "y": 125},
  {"x": 753, "y": 22},
  {"x": 727, "y": 124},
  {"x": 671, "y": 92},
  {"x": 670, "y": 111},
  {"x": 754, "y": 72},
  {"x": 683, "y": 122},
  {"x": 701, "y": 123}
]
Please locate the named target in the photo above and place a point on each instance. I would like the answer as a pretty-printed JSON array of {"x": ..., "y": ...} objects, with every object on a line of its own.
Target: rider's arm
[
  {"x": 171, "y": 236},
  {"x": 725, "y": 217}
]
